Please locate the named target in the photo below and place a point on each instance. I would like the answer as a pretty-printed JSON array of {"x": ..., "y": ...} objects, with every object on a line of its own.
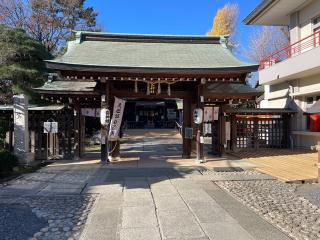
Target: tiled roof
[
  {"x": 68, "y": 86},
  {"x": 233, "y": 88},
  {"x": 150, "y": 51}
]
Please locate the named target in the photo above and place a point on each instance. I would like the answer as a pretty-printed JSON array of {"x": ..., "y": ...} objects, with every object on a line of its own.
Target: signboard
[
  {"x": 188, "y": 133},
  {"x": 208, "y": 114},
  {"x": 116, "y": 119},
  {"x": 198, "y": 116},
  {"x": 228, "y": 131},
  {"x": 216, "y": 113},
  {"x": 90, "y": 112},
  {"x": 50, "y": 127},
  {"x": 207, "y": 128}
]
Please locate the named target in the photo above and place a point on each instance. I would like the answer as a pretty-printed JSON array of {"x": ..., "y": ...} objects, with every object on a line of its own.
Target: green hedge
[{"x": 7, "y": 161}]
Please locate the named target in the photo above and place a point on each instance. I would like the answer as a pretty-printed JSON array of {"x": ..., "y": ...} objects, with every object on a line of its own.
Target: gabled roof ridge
[{"x": 106, "y": 36}]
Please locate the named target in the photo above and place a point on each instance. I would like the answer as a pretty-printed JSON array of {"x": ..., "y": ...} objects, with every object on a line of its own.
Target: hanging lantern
[
  {"x": 159, "y": 88},
  {"x": 136, "y": 86},
  {"x": 169, "y": 90}
]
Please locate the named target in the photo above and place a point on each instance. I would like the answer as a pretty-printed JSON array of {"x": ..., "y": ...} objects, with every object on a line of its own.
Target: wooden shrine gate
[{"x": 199, "y": 70}]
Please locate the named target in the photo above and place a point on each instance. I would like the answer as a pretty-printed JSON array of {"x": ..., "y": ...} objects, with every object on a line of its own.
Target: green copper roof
[
  {"x": 68, "y": 86},
  {"x": 233, "y": 88},
  {"x": 148, "y": 51}
]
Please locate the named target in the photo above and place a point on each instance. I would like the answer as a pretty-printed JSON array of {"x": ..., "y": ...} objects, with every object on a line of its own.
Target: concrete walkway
[
  {"x": 170, "y": 204},
  {"x": 149, "y": 199}
]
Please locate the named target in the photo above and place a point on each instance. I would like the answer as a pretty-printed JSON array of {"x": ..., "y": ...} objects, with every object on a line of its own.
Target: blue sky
[{"x": 185, "y": 17}]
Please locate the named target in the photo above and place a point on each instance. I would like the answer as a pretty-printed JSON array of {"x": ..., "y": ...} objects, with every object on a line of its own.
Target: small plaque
[
  {"x": 50, "y": 127},
  {"x": 188, "y": 133}
]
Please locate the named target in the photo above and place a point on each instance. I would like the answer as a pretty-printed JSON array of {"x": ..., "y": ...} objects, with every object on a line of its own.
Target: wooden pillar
[
  {"x": 255, "y": 133},
  {"x": 69, "y": 137},
  {"x": 82, "y": 133},
  {"x": 287, "y": 122},
  {"x": 233, "y": 122},
  {"x": 77, "y": 133},
  {"x": 200, "y": 138},
  {"x": 222, "y": 132},
  {"x": 11, "y": 136},
  {"x": 63, "y": 134},
  {"x": 105, "y": 98},
  {"x": 186, "y": 143}
]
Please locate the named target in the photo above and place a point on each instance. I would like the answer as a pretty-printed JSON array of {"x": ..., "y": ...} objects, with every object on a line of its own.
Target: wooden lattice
[{"x": 257, "y": 132}]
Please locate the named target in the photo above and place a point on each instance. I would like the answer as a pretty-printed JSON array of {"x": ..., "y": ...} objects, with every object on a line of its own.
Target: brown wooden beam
[{"x": 174, "y": 94}]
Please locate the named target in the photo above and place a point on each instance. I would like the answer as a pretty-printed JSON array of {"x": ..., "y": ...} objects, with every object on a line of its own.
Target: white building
[{"x": 291, "y": 77}]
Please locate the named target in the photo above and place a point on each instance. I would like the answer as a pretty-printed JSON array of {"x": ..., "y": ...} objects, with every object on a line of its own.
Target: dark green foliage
[
  {"x": 7, "y": 161},
  {"x": 21, "y": 63}
]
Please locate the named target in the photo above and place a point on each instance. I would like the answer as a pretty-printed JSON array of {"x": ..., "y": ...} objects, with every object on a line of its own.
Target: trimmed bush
[{"x": 7, "y": 161}]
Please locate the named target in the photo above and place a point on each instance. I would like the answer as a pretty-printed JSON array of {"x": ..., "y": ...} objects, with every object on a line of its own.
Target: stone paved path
[
  {"x": 165, "y": 204},
  {"x": 87, "y": 200}
]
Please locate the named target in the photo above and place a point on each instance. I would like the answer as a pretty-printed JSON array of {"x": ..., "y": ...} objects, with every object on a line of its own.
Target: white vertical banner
[
  {"x": 116, "y": 120},
  {"x": 228, "y": 131},
  {"x": 208, "y": 114},
  {"x": 216, "y": 113}
]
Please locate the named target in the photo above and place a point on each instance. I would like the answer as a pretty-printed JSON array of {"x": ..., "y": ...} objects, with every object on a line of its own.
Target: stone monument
[{"x": 21, "y": 129}]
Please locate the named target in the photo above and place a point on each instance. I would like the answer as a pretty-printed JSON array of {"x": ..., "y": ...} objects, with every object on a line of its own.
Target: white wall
[
  {"x": 301, "y": 22},
  {"x": 309, "y": 84}
]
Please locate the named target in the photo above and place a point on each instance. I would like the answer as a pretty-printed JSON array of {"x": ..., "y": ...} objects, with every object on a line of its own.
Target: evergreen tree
[{"x": 21, "y": 63}]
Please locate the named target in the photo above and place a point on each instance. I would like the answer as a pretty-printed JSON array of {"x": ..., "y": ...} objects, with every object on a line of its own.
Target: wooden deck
[{"x": 286, "y": 165}]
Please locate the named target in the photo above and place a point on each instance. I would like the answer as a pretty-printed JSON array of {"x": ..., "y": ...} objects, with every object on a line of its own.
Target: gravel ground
[
  {"x": 45, "y": 217},
  {"x": 279, "y": 204}
]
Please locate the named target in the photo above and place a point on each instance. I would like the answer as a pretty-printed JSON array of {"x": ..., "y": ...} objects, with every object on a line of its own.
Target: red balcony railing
[{"x": 292, "y": 50}]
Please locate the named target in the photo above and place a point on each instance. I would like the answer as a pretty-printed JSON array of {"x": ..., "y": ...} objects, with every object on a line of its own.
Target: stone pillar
[{"x": 21, "y": 129}]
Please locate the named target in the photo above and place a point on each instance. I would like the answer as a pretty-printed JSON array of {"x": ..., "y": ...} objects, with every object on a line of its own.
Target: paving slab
[
  {"x": 135, "y": 217},
  {"x": 225, "y": 231},
  {"x": 167, "y": 191},
  {"x": 151, "y": 233},
  {"x": 179, "y": 225},
  {"x": 101, "y": 233},
  {"x": 208, "y": 212},
  {"x": 137, "y": 197},
  {"x": 170, "y": 202},
  {"x": 136, "y": 183}
]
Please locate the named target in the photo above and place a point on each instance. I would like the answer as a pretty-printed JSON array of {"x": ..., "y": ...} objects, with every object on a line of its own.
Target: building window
[
  {"x": 316, "y": 20},
  {"x": 316, "y": 24}
]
